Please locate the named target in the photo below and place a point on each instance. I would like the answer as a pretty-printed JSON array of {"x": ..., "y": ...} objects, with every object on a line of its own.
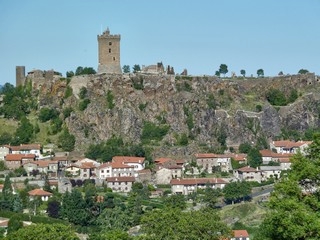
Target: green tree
[
  {"x": 15, "y": 223},
  {"x": 223, "y": 69},
  {"x": 217, "y": 73},
  {"x": 47, "y": 114},
  {"x": 126, "y": 69},
  {"x": 79, "y": 71},
  {"x": 7, "y": 195},
  {"x": 244, "y": 147},
  {"x": 303, "y": 71},
  {"x": 254, "y": 158},
  {"x": 276, "y": 97},
  {"x": 42, "y": 231},
  {"x": 243, "y": 72},
  {"x": 53, "y": 208},
  {"x": 24, "y": 132},
  {"x": 5, "y": 138},
  {"x": 175, "y": 201},
  {"x": 74, "y": 208},
  {"x": 69, "y": 74},
  {"x": 203, "y": 224},
  {"x": 66, "y": 141},
  {"x": 136, "y": 68},
  {"x": 260, "y": 72},
  {"x": 210, "y": 196},
  {"x": 111, "y": 235},
  {"x": 236, "y": 191}
]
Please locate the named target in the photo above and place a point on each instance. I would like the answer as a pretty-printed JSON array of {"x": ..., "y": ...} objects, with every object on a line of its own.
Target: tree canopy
[
  {"x": 223, "y": 69},
  {"x": 260, "y": 72},
  {"x": 175, "y": 224},
  {"x": 42, "y": 231},
  {"x": 295, "y": 203}
]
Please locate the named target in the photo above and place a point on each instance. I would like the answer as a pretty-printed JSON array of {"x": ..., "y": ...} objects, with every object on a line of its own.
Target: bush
[
  {"x": 84, "y": 104},
  {"x": 66, "y": 112},
  {"x": 150, "y": 131},
  {"x": 110, "y": 98},
  {"x": 276, "y": 97},
  {"x": 68, "y": 92},
  {"x": 47, "y": 114}
]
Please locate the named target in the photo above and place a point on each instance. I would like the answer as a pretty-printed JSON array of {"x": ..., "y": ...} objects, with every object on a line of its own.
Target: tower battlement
[{"x": 109, "y": 52}]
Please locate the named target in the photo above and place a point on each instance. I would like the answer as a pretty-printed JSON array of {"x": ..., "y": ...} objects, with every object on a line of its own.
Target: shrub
[
  {"x": 84, "y": 104},
  {"x": 151, "y": 131},
  {"x": 110, "y": 98},
  {"x": 276, "y": 97},
  {"x": 142, "y": 106},
  {"x": 83, "y": 92},
  {"x": 66, "y": 112},
  {"x": 68, "y": 92},
  {"x": 47, "y": 114}
]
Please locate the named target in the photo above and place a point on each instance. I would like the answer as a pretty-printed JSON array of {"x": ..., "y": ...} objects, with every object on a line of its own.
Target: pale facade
[{"x": 186, "y": 186}]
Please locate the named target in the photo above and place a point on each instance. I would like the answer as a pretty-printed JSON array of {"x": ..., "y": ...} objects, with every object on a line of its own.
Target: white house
[{"x": 187, "y": 186}]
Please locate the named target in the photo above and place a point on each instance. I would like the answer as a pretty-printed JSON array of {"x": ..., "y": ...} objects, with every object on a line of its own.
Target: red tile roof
[
  {"x": 39, "y": 192},
  {"x": 162, "y": 160},
  {"x": 194, "y": 181},
  {"x": 269, "y": 153},
  {"x": 19, "y": 157},
  {"x": 290, "y": 144},
  {"x": 240, "y": 233},
  {"x": 120, "y": 179},
  {"x": 205, "y": 155},
  {"x": 128, "y": 159}
]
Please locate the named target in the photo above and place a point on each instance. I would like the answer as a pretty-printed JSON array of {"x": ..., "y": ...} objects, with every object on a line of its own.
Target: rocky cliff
[{"x": 209, "y": 110}]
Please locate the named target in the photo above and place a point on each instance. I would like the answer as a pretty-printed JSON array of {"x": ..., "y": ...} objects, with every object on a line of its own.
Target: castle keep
[{"x": 109, "y": 53}]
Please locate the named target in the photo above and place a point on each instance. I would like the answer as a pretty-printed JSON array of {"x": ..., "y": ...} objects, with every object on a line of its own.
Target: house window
[
  {"x": 114, "y": 58},
  {"x": 110, "y": 43},
  {"x": 102, "y": 171},
  {"x": 109, "y": 50},
  {"x": 107, "y": 171}
]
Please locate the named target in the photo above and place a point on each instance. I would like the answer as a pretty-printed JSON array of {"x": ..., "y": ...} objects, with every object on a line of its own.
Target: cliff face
[{"x": 207, "y": 109}]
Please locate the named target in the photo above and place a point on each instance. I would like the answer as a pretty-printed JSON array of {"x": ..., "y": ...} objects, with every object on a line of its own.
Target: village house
[
  {"x": 27, "y": 149},
  {"x": 211, "y": 162},
  {"x": 144, "y": 176},
  {"x": 248, "y": 174},
  {"x": 270, "y": 156},
  {"x": 287, "y": 146},
  {"x": 137, "y": 162},
  {"x": 270, "y": 172},
  {"x": 72, "y": 170},
  {"x": 240, "y": 235},
  {"x": 35, "y": 193},
  {"x": 165, "y": 174},
  {"x": 120, "y": 184},
  {"x": 14, "y": 161},
  {"x": 186, "y": 186},
  {"x": 115, "y": 169}
]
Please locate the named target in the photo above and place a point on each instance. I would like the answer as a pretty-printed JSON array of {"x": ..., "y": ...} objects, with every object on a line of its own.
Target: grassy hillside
[{"x": 249, "y": 215}]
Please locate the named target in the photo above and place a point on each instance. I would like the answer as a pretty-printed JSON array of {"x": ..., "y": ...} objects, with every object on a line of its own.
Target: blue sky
[{"x": 198, "y": 35}]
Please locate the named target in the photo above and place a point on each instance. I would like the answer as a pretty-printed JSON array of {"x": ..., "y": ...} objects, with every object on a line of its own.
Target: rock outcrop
[{"x": 205, "y": 108}]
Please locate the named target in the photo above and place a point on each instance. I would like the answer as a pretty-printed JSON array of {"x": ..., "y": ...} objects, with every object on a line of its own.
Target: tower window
[
  {"x": 109, "y": 50},
  {"x": 114, "y": 58},
  {"x": 110, "y": 43}
]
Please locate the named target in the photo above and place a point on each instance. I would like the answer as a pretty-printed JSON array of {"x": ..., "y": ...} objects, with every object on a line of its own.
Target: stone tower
[
  {"x": 109, "y": 53},
  {"x": 20, "y": 75}
]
